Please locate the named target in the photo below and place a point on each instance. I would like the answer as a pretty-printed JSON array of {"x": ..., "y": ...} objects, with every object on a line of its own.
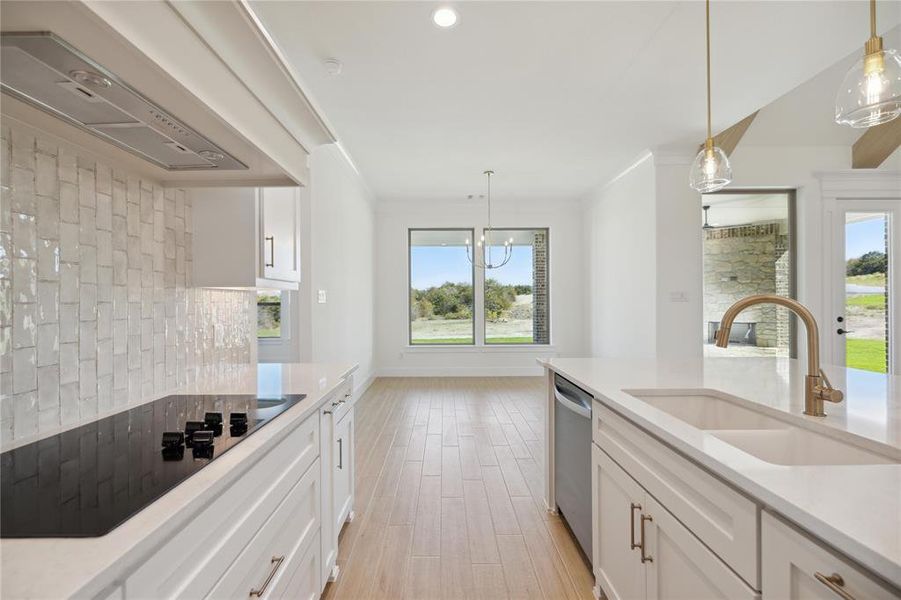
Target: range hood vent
[{"x": 43, "y": 70}]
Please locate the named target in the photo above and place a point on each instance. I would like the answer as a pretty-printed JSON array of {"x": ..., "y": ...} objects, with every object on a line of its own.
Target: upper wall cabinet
[
  {"x": 280, "y": 230},
  {"x": 247, "y": 237}
]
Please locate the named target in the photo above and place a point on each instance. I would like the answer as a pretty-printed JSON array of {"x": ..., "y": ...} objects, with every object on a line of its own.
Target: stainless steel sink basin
[
  {"x": 795, "y": 447},
  {"x": 705, "y": 410}
]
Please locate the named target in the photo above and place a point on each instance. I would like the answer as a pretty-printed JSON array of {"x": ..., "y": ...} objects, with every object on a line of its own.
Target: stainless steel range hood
[{"x": 43, "y": 70}]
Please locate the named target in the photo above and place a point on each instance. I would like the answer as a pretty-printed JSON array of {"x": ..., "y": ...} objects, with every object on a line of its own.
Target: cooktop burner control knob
[
  {"x": 213, "y": 421},
  {"x": 173, "y": 439},
  {"x": 202, "y": 438},
  {"x": 237, "y": 424},
  {"x": 191, "y": 427}
]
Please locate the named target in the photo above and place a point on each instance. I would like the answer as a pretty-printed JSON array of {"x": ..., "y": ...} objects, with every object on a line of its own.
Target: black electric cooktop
[{"x": 86, "y": 481}]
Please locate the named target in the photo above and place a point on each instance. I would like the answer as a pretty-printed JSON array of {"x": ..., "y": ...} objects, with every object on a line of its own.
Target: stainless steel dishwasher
[{"x": 572, "y": 458}]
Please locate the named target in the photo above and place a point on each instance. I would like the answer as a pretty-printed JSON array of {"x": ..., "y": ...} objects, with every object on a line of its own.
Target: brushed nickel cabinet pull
[
  {"x": 340, "y": 453},
  {"x": 834, "y": 582},
  {"x": 644, "y": 558},
  {"x": 632, "y": 508},
  {"x": 271, "y": 240},
  {"x": 276, "y": 563}
]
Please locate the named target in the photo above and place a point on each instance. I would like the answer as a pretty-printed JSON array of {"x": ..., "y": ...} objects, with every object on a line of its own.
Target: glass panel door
[{"x": 865, "y": 326}]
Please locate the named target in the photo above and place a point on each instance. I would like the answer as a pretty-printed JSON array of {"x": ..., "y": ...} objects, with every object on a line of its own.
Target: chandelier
[{"x": 484, "y": 245}]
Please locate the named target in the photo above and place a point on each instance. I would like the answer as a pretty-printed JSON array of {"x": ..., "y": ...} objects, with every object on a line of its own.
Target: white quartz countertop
[
  {"x": 65, "y": 567},
  {"x": 854, "y": 508}
]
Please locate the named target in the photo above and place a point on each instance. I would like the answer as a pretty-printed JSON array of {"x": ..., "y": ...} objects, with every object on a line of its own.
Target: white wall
[
  {"x": 341, "y": 263},
  {"x": 394, "y": 356},
  {"x": 620, "y": 235}
]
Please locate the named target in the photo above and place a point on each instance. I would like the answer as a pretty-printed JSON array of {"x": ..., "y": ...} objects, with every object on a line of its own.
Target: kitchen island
[
  {"x": 221, "y": 526},
  {"x": 722, "y": 445}
]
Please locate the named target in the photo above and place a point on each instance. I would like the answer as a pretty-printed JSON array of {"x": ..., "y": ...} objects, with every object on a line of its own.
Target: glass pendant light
[
  {"x": 711, "y": 170},
  {"x": 870, "y": 93}
]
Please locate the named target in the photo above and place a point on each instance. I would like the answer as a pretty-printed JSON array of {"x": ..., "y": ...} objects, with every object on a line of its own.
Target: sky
[
  {"x": 433, "y": 265},
  {"x": 864, "y": 236}
]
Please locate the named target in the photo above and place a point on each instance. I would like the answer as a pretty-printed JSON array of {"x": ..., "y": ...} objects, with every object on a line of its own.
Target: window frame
[
  {"x": 410, "y": 230},
  {"x": 485, "y": 342}
]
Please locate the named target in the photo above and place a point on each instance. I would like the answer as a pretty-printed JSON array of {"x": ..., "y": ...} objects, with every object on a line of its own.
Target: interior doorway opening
[{"x": 748, "y": 242}]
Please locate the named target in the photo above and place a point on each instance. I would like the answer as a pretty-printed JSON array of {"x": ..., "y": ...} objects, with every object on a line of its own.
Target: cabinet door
[
  {"x": 617, "y": 502},
  {"x": 344, "y": 469},
  {"x": 329, "y": 537},
  {"x": 796, "y": 567},
  {"x": 679, "y": 566},
  {"x": 280, "y": 239}
]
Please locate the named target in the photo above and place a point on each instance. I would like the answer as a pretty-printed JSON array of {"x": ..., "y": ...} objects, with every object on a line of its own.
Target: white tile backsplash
[{"x": 95, "y": 306}]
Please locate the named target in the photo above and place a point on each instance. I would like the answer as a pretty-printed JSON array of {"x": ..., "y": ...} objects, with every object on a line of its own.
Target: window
[
  {"x": 269, "y": 314},
  {"x": 441, "y": 287},
  {"x": 516, "y": 294}
]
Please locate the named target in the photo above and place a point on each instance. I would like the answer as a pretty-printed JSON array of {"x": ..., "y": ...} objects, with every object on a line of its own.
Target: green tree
[
  {"x": 871, "y": 262},
  {"x": 498, "y": 299}
]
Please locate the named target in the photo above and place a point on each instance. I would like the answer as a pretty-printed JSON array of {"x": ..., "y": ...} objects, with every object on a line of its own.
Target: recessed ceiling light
[{"x": 445, "y": 17}]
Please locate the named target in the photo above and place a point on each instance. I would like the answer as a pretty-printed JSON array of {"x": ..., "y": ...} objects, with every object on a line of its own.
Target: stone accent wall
[
  {"x": 739, "y": 262},
  {"x": 96, "y": 305},
  {"x": 783, "y": 288},
  {"x": 541, "y": 329}
]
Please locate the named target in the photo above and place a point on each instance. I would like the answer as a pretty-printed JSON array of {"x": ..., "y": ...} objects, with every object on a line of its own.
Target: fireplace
[{"x": 744, "y": 334}]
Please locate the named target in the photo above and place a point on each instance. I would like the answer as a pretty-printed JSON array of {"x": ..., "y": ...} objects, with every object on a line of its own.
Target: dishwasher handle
[{"x": 572, "y": 404}]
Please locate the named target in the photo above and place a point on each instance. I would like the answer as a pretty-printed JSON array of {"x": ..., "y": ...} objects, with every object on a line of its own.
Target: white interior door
[{"x": 863, "y": 332}]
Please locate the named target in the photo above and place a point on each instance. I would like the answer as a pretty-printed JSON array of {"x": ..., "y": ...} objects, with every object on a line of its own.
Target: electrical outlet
[
  {"x": 322, "y": 297},
  {"x": 678, "y": 297}
]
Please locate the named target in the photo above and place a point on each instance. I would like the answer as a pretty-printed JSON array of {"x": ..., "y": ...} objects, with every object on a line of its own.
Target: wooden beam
[
  {"x": 727, "y": 140},
  {"x": 876, "y": 144}
]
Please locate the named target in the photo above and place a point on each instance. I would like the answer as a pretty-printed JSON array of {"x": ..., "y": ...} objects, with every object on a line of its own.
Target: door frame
[{"x": 857, "y": 191}]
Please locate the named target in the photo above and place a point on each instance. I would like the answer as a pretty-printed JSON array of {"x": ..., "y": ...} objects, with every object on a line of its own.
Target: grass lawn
[
  {"x": 458, "y": 341},
  {"x": 441, "y": 341},
  {"x": 867, "y": 300},
  {"x": 271, "y": 332},
  {"x": 868, "y": 355},
  {"x": 871, "y": 279}
]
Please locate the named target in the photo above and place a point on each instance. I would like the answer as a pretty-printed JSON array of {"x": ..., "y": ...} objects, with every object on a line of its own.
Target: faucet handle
[{"x": 827, "y": 392}]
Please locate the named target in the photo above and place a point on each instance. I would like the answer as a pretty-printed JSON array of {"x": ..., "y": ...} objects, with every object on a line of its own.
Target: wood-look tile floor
[{"x": 449, "y": 486}]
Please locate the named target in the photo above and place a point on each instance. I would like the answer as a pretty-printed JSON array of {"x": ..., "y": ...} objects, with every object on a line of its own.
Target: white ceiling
[{"x": 556, "y": 97}]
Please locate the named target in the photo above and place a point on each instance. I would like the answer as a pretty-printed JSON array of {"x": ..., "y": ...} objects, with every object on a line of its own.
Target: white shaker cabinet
[
  {"x": 641, "y": 551},
  {"x": 797, "y": 567},
  {"x": 247, "y": 237},
  {"x": 336, "y": 418},
  {"x": 617, "y": 502},
  {"x": 280, "y": 233}
]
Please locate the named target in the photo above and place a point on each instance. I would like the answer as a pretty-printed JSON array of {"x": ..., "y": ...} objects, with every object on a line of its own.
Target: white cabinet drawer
[
  {"x": 722, "y": 518},
  {"x": 273, "y": 552},
  {"x": 795, "y": 566},
  {"x": 301, "y": 579},
  {"x": 191, "y": 562}
]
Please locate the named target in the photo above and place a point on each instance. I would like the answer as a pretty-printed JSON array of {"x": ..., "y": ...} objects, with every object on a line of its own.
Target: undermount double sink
[{"x": 769, "y": 439}]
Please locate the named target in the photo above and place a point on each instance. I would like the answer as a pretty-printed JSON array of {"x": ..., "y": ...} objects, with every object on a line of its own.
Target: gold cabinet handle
[
  {"x": 632, "y": 508},
  {"x": 644, "y": 558},
  {"x": 834, "y": 582},
  {"x": 271, "y": 240},
  {"x": 276, "y": 563}
]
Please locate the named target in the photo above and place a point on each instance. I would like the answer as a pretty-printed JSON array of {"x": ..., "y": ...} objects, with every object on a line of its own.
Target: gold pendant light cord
[
  {"x": 872, "y": 18},
  {"x": 709, "y": 134}
]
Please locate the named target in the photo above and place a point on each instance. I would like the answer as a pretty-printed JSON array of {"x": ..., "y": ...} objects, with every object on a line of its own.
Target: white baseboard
[{"x": 461, "y": 372}]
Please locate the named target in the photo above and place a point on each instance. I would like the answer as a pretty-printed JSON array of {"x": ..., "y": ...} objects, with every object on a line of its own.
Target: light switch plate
[{"x": 322, "y": 297}]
